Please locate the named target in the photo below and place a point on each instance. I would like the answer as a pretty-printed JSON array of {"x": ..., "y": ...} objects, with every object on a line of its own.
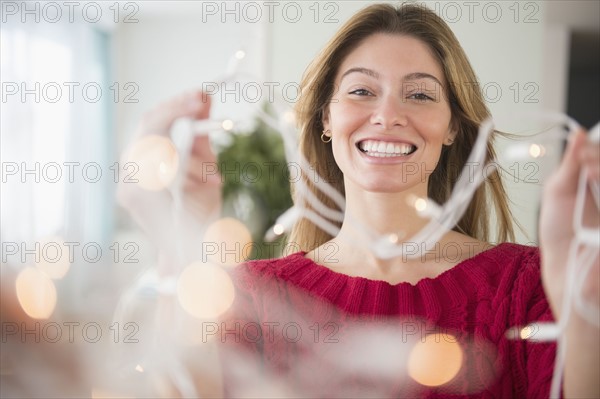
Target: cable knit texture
[{"x": 313, "y": 332}]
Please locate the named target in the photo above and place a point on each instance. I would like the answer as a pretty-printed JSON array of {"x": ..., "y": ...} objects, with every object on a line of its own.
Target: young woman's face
[{"x": 389, "y": 116}]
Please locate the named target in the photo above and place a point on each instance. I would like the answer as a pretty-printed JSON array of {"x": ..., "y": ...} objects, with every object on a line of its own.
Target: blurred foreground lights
[
  {"x": 425, "y": 207},
  {"x": 152, "y": 162},
  {"x": 204, "y": 290},
  {"x": 240, "y": 54},
  {"x": 435, "y": 360},
  {"x": 227, "y": 242},
  {"x": 139, "y": 369},
  {"x": 536, "y": 150},
  {"x": 54, "y": 257},
  {"x": 36, "y": 293},
  {"x": 104, "y": 394}
]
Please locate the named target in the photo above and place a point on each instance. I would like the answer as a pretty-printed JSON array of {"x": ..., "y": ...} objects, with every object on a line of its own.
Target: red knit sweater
[{"x": 301, "y": 330}]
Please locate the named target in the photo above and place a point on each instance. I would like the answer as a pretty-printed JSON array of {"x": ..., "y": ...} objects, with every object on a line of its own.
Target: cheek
[
  {"x": 344, "y": 116},
  {"x": 436, "y": 126}
]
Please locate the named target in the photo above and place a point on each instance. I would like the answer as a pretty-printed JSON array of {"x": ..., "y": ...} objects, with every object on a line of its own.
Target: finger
[
  {"x": 202, "y": 150},
  {"x": 590, "y": 159},
  {"x": 200, "y": 105},
  {"x": 194, "y": 104},
  {"x": 202, "y": 171},
  {"x": 566, "y": 178}
]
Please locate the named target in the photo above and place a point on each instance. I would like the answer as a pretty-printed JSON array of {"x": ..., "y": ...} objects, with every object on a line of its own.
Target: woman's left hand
[
  {"x": 581, "y": 337},
  {"x": 556, "y": 219}
]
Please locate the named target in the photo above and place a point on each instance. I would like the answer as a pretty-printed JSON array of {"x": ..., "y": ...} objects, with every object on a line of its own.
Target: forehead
[{"x": 394, "y": 55}]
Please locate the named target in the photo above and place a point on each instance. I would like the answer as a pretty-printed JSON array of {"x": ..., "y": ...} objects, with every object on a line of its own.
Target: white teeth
[{"x": 378, "y": 148}]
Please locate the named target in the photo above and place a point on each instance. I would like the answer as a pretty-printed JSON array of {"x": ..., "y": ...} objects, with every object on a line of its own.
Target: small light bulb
[
  {"x": 536, "y": 150},
  {"x": 526, "y": 332},
  {"x": 278, "y": 229},
  {"x": 139, "y": 368},
  {"x": 289, "y": 117},
  {"x": 227, "y": 124},
  {"x": 240, "y": 54},
  {"x": 420, "y": 204}
]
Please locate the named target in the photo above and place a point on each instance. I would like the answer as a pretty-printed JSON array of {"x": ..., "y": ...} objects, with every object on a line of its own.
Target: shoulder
[
  {"x": 512, "y": 261},
  {"x": 519, "y": 280},
  {"x": 503, "y": 270},
  {"x": 255, "y": 273},
  {"x": 510, "y": 253}
]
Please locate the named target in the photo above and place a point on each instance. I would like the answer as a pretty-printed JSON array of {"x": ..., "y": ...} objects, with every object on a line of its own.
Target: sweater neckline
[
  {"x": 453, "y": 288},
  {"x": 300, "y": 259}
]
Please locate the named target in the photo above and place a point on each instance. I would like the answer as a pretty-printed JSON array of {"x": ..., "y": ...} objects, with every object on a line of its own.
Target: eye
[
  {"x": 361, "y": 92},
  {"x": 420, "y": 97}
]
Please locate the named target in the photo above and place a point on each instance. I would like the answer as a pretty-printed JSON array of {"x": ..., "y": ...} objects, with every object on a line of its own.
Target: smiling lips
[{"x": 384, "y": 149}]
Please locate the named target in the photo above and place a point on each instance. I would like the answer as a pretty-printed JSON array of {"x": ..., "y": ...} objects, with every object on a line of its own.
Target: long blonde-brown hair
[{"x": 466, "y": 103}]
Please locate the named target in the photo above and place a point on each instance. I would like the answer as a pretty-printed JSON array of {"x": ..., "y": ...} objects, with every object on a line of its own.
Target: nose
[{"x": 389, "y": 112}]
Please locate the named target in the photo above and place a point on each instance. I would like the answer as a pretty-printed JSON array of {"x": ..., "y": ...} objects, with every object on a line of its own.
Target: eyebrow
[
  {"x": 410, "y": 76},
  {"x": 366, "y": 71}
]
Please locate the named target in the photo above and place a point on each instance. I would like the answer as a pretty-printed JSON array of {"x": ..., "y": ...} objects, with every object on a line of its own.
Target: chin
[{"x": 385, "y": 185}]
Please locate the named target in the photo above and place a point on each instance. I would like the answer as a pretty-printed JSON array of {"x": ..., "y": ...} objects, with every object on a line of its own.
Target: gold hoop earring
[{"x": 325, "y": 137}]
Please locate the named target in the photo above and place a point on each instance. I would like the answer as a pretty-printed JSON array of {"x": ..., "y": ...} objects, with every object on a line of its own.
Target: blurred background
[{"x": 78, "y": 76}]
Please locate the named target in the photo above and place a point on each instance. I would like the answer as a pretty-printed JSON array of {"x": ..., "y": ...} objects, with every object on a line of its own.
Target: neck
[{"x": 383, "y": 213}]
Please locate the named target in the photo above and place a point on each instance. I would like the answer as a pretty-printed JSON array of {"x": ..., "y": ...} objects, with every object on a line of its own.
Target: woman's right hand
[{"x": 200, "y": 185}]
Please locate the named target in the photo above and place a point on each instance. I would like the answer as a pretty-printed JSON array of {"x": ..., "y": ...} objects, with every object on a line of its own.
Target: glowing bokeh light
[
  {"x": 103, "y": 394},
  {"x": 156, "y": 162},
  {"x": 536, "y": 150},
  {"x": 420, "y": 204},
  {"x": 54, "y": 257},
  {"x": 205, "y": 290},
  {"x": 227, "y": 242},
  {"x": 36, "y": 293},
  {"x": 435, "y": 360},
  {"x": 240, "y": 54}
]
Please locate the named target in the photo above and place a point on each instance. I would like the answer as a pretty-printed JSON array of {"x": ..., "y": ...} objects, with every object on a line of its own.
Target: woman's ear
[
  {"x": 450, "y": 137},
  {"x": 325, "y": 119}
]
